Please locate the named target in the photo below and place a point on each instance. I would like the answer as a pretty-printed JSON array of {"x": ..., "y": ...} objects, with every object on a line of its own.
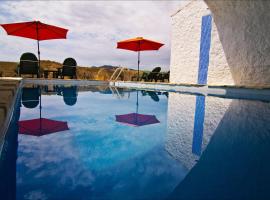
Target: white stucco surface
[
  {"x": 185, "y": 45},
  {"x": 240, "y": 45},
  {"x": 219, "y": 72}
]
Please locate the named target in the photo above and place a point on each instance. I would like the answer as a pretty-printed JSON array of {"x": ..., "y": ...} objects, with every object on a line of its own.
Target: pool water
[{"x": 181, "y": 146}]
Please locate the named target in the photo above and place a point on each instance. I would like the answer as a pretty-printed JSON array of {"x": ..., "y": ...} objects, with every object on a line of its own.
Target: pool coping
[
  {"x": 233, "y": 92},
  {"x": 63, "y": 81},
  {"x": 10, "y": 113}
]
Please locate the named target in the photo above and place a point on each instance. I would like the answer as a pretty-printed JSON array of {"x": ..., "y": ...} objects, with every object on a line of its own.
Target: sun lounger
[
  {"x": 164, "y": 76},
  {"x": 153, "y": 75}
]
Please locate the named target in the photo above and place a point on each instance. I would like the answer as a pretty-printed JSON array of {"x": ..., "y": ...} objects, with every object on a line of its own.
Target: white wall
[
  {"x": 185, "y": 45},
  {"x": 240, "y": 43},
  {"x": 243, "y": 28}
]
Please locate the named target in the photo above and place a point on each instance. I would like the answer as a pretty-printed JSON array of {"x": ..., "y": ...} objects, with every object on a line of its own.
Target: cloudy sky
[{"x": 94, "y": 29}]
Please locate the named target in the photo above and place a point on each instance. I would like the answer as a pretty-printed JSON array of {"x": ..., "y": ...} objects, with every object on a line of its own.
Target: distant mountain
[{"x": 108, "y": 67}]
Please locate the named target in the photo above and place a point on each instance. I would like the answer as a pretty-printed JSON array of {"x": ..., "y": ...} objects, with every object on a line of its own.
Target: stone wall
[{"x": 239, "y": 46}]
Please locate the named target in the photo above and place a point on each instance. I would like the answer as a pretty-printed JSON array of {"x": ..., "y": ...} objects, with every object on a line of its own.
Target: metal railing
[{"x": 117, "y": 73}]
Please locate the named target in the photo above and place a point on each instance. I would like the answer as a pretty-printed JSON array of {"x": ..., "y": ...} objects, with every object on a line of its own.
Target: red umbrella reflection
[
  {"x": 41, "y": 126},
  {"x": 135, "y": 119}
]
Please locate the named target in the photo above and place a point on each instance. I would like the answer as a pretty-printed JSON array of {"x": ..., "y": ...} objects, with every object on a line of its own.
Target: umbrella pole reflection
[
  {"x": 40, "y": 126},
  {"x": 136, "y": 119},
  {"x": 137, "y": 107}
]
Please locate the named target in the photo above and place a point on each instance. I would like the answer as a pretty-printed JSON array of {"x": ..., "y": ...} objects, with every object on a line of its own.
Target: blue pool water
[{"x": 202, "y": 147}]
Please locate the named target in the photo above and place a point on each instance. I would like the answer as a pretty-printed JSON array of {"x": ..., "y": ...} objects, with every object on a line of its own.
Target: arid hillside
[{"x": 9, "y": 69}]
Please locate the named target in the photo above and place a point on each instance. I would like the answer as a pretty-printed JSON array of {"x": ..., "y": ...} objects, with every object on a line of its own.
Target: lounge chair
[
  {"x": 69, "y": 68},
  {"x": 153, "y": 75},
  {"x": 28, "y": 65},
  {"x": 142, "y": 75},
  {"x": 164, "y": 76}
]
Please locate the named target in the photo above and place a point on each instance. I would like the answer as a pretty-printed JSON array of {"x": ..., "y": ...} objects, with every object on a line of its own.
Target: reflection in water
[
  {"x": 70, "y": 95},
  {"x": 30, "y": 96},
  {"x": 41, "y": 126},
  {"x": 192, "y": 121},
  {"x": 136, "y": 119},
  {"x": 98, "y": 157},
  {"x": 210, "y": 148},
  {"x": 8, "y": 159},
  {"x": 152, "y": 94},
  {"x": 198, "y": 125},
  {"x": 235, "y": 163}
]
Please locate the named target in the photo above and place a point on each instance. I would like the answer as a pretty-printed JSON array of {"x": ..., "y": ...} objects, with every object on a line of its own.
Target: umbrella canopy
[
  {"x": 41, "y": 126},
  {"x": 35, "y": 30},
  {"x": 135, "y": 119},
  {"x": 139, "y": 44}
]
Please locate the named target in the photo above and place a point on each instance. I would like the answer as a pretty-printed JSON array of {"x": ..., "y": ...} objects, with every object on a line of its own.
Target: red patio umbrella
[
  {"x": 139, "y": 44},
  {"x": 35, "y": 30},
  {"x": 136, "y": 119}
]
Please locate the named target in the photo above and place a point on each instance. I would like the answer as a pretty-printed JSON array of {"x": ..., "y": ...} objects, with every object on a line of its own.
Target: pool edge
[{"x": 262, "y": 94}]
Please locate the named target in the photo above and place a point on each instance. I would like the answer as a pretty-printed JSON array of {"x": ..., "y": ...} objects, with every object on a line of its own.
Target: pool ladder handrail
[{"x": 120, "y": 69}]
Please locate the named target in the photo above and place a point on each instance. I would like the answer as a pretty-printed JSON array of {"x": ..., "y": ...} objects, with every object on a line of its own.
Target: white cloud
[{"x": 94, "y": 28}]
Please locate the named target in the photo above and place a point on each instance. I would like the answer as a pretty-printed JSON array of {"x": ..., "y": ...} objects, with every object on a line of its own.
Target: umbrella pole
[
  {"x": 38, "y": 60},
  {"x": 38, "y": 50},
  {"x": 137, "y": 103},
  {"x": 138, "y": 65}
]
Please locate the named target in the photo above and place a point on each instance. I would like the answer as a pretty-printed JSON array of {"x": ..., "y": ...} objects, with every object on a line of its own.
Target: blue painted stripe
[
  {"x": 198, "y": 125},
  {"x": 206, "y": 28}
]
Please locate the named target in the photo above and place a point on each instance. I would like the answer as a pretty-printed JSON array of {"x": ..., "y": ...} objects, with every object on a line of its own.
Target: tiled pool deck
[{"x": 10, "y": 90}]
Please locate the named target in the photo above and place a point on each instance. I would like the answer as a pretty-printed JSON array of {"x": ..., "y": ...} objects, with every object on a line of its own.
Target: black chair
[
  {"x": 28, "y": 65},
  {"x": 164, "y": 76},
  {"x": 153, "y": 75},
  {"x": 30, "y": 97},
  {"x": 69, "y": 68}
]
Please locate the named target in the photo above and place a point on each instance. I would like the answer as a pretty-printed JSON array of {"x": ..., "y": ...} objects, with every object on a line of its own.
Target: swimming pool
[{"x": 114, "y": 143}]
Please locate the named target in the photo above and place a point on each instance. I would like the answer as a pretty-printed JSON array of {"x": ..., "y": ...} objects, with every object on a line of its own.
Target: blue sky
[{"x": 94, "y": 29}]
